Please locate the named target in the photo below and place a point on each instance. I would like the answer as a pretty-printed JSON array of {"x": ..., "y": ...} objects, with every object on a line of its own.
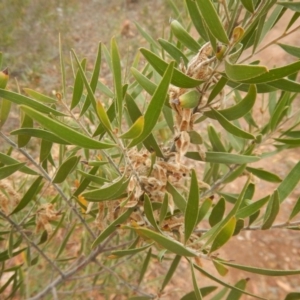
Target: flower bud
[
  {"x": 3, "y": 78},
  {"x": 220, "y": 52},
  {"x": 189, "y": 99}
]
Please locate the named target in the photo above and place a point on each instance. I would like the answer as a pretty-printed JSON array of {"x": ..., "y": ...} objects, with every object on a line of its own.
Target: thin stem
[{"x": 31, "y": 243}]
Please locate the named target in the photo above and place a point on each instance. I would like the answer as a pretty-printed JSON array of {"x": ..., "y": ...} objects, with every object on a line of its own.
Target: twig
[{"x": 31, "y": 243}]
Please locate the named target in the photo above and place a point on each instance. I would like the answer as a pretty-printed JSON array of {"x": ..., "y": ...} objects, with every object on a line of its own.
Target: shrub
[{"x": 138, "y": 170}]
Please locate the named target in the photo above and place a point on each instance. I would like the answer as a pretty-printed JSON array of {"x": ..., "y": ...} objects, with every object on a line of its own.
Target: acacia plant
[{"x": 99, "y": 184}]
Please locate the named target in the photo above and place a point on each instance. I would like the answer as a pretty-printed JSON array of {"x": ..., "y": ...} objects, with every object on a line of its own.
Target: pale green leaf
[{"x": 68, "y": 134}]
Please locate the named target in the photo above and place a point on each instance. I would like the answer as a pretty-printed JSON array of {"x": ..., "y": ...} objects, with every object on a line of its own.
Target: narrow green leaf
[
  {"x": 235, "y": 295},
  {"x": 155, "y": 106},
  {"x": 135, "y": 130},
  {"x": 170, "y": 272},
  {"x": 45, "y": 150},
  {"x": 172, "y": 245},
  {"x": 232, "y": 128},
  {"x": 261, "y": 271},
  {"x": 23, "y": 100},
  {"x": 62, "y": 67},
  {"x": 70, "y": 135},
  {"x": 178, "y": 199},
  {"x": 93, "y": 178},
  {"x": 29, "y": 195},
  {"x": 292, "y": 296},
  {"x": 224, "y": 283},
  {"x": 65, "y": 169},
  {"x": 178, "y": 79},
  {"x": 134, "y": 113},
  {"x": 147, "y": 36},
  {"x": 248, "y": 4},
  {"x": 296, "y": 210},
  {"x": 64, "y": 242},
  {"x": 285, "y": 85},
  {"x": 109, "y": 191},
  {"x": 211, "y": 18},
  {"x": 264, "y": 175},
  {"x": 295, "y": 6},
  {"x": 173, "y": 51},
  {"x": 192, "y": 207},
  {"x": 275, "y": 74},
  {"x": 293, "y": 142},
  {"x": 217, "y": 213},
  {"x": 121, "y": 253},
  {"x": 164, "y": 209},
  {"x": 289, "y": 183},
  {"x": 204, "y": 208},
  {"x": 184, "y": 37},
  {"x": 196, "y": 18},
  {"x": 218, "y": 87},
  {"x": 271, "y": 211},
  {"x": 223, "y": 158},
  {"x": 112, "y": 227},
  {"x": 243, "y": 72},
  {"x": 252, "y": 208},
  {"x": 78, "y": 86},
  {"x": 7, "y": 160},
  {"x": 40, "y": 133},
  {"x": 240, "y": 109},
  {"x": 24, "y": 139},
  {"x": 145, "y": 266},
  {"x": 5, "y": 107},
  {"x": 10, "y": 169},
  {"x": 214, "y": 139},
  {"x": 4, "y": 255},
  {"x": 116, "y": 68},
  {"x": 295, "y": 51},
  {"x": 147, "y": 84},
  {"x": 224, "y": 235},
  {"x": 38, "y": 96},
  {"x": 196, "y": 289},
  {"x": 221, "y": 269},
  {"x": 204, "y": 292},
  {"x": 149, "y": 212}
]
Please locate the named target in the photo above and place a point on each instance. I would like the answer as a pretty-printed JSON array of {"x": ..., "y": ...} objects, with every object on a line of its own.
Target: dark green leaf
[
  {"x": 178, "y": 199},
  {"x": 107, "y": 192},
  {"x": 7, "y": 160},
  {"x": 197, "y": 292},
  {"x": 296, "y": 209},
  {"x": 196, "y": 18},
  {"x": 164, "y": 209},
  {"x": 290, "y": 5},
  {"x": 236, "y": 295},
  {"x": 29, "y": 195},
  {"x": 178, "y": 79},
  {"x": 10, "y": 169},
  {"x": 289, "y": 183},
  {"x": 295, "y": 51},
  {"x": 211, "y": 18},
  {"x": 217, "y": 89},
  {"x": 240, "y": 109},
  {"x": 65, "y": 241},
  {"x": 224, "y": 235},
  {"x": 267, "y": 272},
  {"x": 192, "y": 206},
  {"x": 204, "y": 292},
  {"x": 149, "y": 212},
  {"x": 145, "y": 266},
  {"x": 121, "y": 253},
  {"x": 252, "y": 208},
  {"x": 184, "y": 37},
  {"x": 248, "y": 4},
  {"x": 204, "y": 208},
  {"x": 147, "y": 84},
  {"x": 112, "y": 227},
  {"x": 263, "y": 174},
  {"x": 214, "y": 139},
  {"x": 271, "y": 211},
  {"x": 292, "y": 296},
  {"x": 217, "y": 213},
  {"x": 155, "y": 106},
  {"x": 285, "y": 85},
  {"x": 232, "y": 128},
  {"x": 78, "y": 87},
  {"x": 40, "y": 133},
  {"x": 170, "y": 272},
  {"x": 65, "y": 169}
]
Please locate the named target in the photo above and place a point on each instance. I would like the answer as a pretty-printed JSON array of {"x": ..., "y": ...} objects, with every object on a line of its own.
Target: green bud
[
  {"x": 3, "y": 78},
  {"x": 189, "y": 99}
]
